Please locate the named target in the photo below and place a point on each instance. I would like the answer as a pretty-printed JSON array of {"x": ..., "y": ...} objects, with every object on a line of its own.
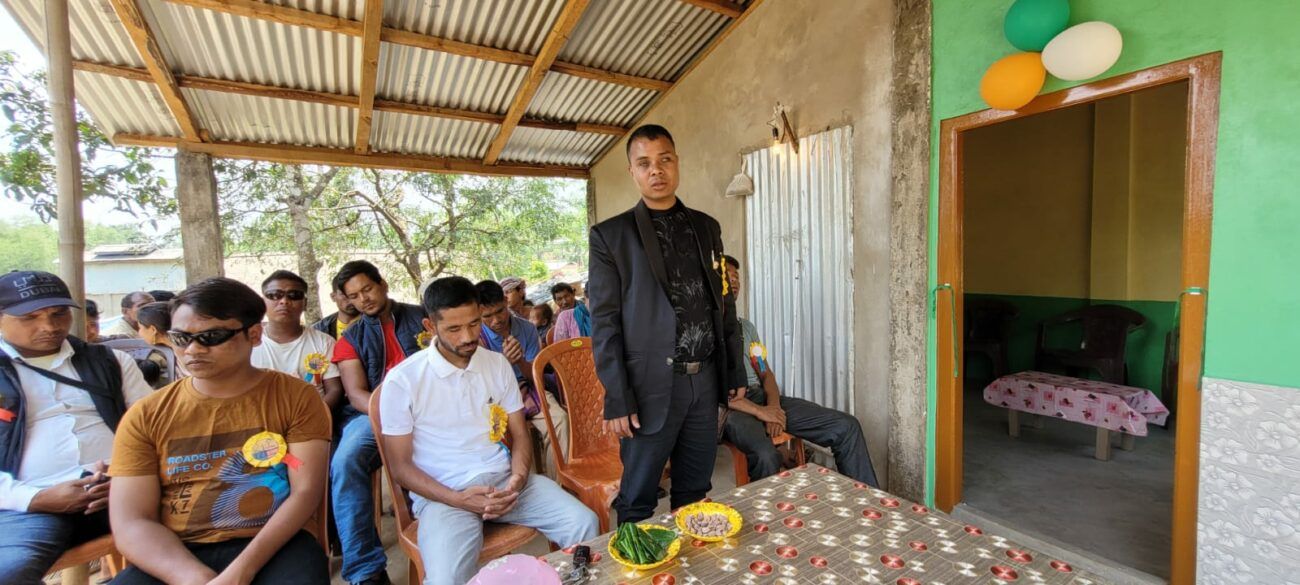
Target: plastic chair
[
  {"x": 498, "y": 539},
  {"x": 590, "y": 466},
  {"x": 74, "y": 561},
  {"x": 740, "y": 463},
  {"x": 1105, "y": 337},
  {"x": 988, "y": 331}
]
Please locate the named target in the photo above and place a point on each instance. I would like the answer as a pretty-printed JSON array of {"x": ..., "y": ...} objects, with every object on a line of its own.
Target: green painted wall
[
  {"x": 1145, "y": 350},
  {"x": 1254, "y": 299}
]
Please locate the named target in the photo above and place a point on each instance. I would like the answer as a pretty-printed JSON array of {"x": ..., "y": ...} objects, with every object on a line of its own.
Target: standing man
[
  {"x": 127, "y": 325},
  {"x": 289, "y": 347},
  {"x": 385, "y": 334},
  {"x": 515, "y": 289},
  {"x": 761, "y": 412},
  {"x": 60, "y": 403},
  {"x": 337, "y": 322},
  {"x": 216, "y": 476},
  {"x": 655, "y": 264}
]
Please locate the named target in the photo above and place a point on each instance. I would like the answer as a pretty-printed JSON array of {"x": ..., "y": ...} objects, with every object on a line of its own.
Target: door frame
[{"x": 1203, "y": 76}]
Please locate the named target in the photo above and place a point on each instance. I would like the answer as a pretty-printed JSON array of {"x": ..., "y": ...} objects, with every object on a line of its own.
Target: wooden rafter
[
  {"x": 284, "y": 153},
  {"x": 723, "y": 7},
  {"x": 555, "y": 40},
  {"x": 372, "y": 23},
  {"x": 695, "y": 62},
  {"x": 129, "y": 13},
  {"x": 341, "y": 100},
  {"x": 295, "y": 17}
]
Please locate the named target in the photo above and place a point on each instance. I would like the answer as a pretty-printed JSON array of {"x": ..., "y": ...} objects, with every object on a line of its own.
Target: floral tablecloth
[
  {"x": 1101, "y": 404},
  {"x": 812, "y": 525}
]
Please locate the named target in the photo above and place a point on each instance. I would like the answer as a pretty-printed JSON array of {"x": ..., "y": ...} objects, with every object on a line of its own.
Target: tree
[
  {"x": 28, "y": 244},
  {"x": 125, "y": 176}
]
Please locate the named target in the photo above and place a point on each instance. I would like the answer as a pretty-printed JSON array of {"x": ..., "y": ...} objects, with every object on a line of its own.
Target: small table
[
  {"x": 812, "y": 525},
  {"x": 1111, "y": 408}
]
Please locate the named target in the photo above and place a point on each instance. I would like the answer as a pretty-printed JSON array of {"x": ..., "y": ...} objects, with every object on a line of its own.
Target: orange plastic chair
[
  {"x": 590, "y": 466},
  {"x": 740, "y": 463},
  {"x": 74, "y": 561},
  {"x": 498, "y": 539}
]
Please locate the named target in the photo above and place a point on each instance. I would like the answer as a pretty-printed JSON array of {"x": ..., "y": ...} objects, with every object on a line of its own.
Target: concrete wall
[{"x": 829, "y": 62}]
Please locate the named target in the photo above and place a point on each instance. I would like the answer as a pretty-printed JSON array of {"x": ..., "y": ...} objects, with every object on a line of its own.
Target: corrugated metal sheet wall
[{"x": 800, "y": 272}]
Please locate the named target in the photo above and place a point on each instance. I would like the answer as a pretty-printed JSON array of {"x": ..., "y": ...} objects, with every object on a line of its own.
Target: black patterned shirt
[{"x": 687, "y": 290}]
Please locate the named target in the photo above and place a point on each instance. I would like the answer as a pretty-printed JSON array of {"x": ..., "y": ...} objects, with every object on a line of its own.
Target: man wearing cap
[
  {"x": 60, "y": 402},
  {"x": 515, "y": 289}
]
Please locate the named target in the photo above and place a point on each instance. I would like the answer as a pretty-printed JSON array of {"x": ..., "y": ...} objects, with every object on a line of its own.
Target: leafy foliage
[
  {"x": 125, "y": 176},
  {"x": 27, "y": 244}
]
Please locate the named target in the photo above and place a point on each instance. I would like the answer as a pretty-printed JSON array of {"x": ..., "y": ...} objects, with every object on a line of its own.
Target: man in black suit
[{"x": 664, "y": 329}]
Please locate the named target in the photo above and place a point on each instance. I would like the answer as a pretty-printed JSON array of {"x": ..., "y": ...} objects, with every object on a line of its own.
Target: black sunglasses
[
  {"x": 209, "y": 338},
  {"x": 293, "y": 295}
]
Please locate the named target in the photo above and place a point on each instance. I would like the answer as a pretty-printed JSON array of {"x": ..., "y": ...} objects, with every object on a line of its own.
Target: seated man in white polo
[{"x": 445, "y": 413}]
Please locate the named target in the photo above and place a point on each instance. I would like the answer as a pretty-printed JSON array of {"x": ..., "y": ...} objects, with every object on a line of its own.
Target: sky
[{"x": 14, "y": 38}]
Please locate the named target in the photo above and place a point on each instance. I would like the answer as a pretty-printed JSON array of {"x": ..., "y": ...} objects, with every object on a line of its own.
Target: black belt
[{"x": 689, "y": 368}]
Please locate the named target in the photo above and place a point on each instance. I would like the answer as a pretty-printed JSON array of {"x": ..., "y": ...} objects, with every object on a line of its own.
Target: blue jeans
[
  {"x": 31, "y": 542},
  {"x": 355, "y": 459},
  {"x": 451, "y": 538}
]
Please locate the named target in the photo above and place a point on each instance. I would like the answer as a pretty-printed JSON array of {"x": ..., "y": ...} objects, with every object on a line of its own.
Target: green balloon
[{"x": 1030, "y": 24}]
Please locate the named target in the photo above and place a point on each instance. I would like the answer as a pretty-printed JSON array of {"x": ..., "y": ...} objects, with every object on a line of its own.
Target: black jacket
[
  {"x": 634, "y": 336},
  {"x": 326, "y": 324}
]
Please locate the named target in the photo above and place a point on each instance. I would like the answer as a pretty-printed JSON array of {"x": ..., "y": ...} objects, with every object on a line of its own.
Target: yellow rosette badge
[
  {"x": 266, "y": 449},
  {"x": 758, "y": 357},
  {"x": 315, "y": 365},
  {"x": 498, "y": 421},
  {"x": 423, "y": 339}
]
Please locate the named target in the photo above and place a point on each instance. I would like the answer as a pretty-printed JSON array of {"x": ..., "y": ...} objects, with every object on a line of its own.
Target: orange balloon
[{"x": 1013, "y": 81}]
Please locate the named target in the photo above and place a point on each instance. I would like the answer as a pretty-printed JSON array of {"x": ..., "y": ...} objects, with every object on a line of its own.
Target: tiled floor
[{"x": 723, "y": 480}]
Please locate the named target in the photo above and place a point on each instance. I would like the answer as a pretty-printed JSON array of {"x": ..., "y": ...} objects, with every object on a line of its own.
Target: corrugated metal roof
[
  {"x": 405, "y": 133},
  {"x": 243, "y": 118},
  {"x": 408, "y": 74},
  {"x": 575, "y": 99},
  {"x": 649, "y": 38},
  {"x": 514, "y": 25},
  {"x": 554, "y": 147}
]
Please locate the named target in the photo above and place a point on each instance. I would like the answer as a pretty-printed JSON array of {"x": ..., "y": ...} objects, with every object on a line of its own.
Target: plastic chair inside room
[{"x": 1105, "y": 338}]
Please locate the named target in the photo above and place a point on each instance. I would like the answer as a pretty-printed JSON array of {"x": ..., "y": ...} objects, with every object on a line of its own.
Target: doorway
[{"x": 1090, "y": 242}]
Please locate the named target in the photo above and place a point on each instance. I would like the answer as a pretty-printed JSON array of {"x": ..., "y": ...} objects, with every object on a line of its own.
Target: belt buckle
[{"x": 693, "y": 368}]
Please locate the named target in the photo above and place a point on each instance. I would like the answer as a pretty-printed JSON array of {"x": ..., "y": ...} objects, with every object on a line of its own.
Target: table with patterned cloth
[
  {"x": 1109, "y": 407},
  {"x": 812, "y": 525}
]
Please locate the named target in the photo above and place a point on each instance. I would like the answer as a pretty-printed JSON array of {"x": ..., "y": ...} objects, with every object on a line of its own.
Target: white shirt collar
[
  {"x": 445, "y": 369},
  {"x": 65, "y": 352}
]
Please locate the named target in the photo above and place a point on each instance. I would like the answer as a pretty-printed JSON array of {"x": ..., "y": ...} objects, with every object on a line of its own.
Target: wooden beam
[
  {"x": 284, "y": 153},
  {"x": 723, "y": 7},
  {"x": 695, "y": 62},
  {"x": 610, "y": 76},
  {"x": 340, "y": 100},
  {"x": 560, "y": 31},
  {"x": 304, "y": 18},
  {"x": 371, "y": 25},
  {"x": 129, "y": 13}
]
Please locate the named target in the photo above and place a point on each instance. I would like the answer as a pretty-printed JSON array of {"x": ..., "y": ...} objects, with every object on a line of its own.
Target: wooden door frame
[{"x": 1203, "y": 75}]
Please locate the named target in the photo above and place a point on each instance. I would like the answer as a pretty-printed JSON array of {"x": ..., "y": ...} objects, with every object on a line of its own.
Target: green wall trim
[{"x": 1252, "y": 323}]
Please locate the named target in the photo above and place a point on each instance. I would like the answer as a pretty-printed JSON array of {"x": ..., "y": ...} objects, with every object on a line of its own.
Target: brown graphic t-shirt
[{"x": 221, "y": 462}]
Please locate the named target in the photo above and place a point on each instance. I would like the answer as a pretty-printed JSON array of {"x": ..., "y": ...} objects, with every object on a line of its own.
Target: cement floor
[{"x": 1048, "y": 483}]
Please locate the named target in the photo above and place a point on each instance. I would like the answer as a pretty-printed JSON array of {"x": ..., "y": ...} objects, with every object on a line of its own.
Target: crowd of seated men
[{"x": 219, "y": 468}]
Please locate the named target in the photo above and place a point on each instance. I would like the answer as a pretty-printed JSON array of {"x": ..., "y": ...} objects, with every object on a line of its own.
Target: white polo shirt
[{"x": 447, "y": 409}]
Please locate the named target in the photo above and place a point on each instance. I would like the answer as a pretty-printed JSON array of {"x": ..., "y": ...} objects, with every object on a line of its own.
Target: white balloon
[{"x": 1083, "y": 51}]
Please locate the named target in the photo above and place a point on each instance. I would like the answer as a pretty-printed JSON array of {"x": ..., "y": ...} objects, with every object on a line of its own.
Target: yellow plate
[
  {"x": 673, "y": 549},
  {"x": 709, "y": 508}
]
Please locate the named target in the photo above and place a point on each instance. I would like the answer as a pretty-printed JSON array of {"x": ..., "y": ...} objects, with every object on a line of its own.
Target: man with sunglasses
[
  {"x": 60, "y": 403},
  {"x": 387, "y": 332},
  {"x": 289, "y": 347},
  {"x": 217, "y": 475}
]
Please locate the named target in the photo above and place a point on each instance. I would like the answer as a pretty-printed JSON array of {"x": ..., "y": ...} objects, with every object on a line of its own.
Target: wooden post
[
  {"x": 196, "y": 196},
  {"x": 1013, "y": 423},
  {"x": 67, "y": 160},
  {"x": 1103, "y": 444}
]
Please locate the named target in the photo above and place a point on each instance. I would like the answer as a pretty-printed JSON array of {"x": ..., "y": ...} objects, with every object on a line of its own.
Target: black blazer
[{"x": 633, "y": 326}]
